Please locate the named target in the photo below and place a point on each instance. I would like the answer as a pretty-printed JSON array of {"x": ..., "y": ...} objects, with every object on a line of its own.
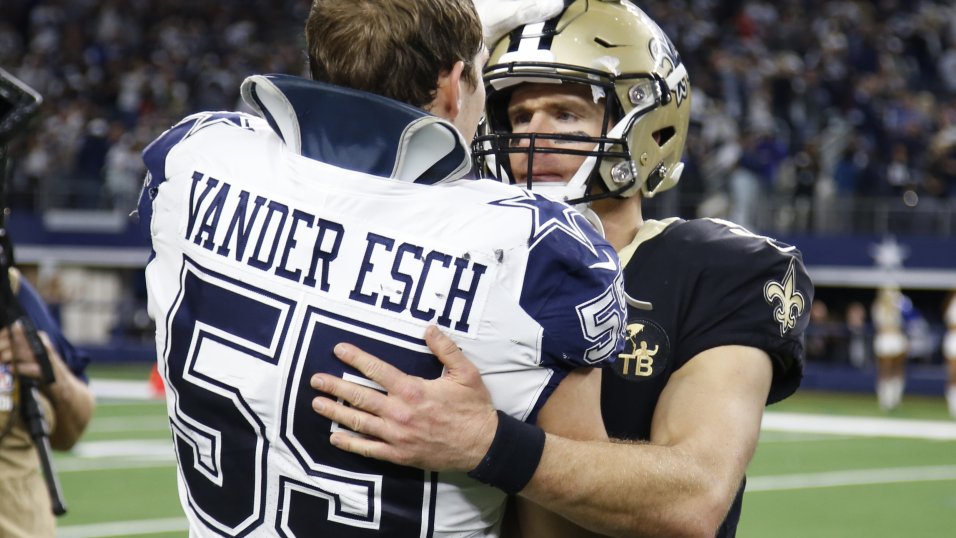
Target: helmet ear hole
[
  {"x": 664, "y": 135},
  {"x": 603, "y": 43}
]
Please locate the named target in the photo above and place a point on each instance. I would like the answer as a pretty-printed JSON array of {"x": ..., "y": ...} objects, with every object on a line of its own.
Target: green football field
[{"x": 828, "y": 465}]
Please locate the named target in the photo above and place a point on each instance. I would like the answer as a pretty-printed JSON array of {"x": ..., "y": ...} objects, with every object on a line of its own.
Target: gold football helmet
[{"x": 628, "y": 61}]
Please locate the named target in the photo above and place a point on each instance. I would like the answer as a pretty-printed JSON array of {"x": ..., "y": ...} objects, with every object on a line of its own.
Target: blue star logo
[
  {"x": 889, "y": 254},
  {"x": 550, "y": 217},
  {"x": 207, "y": 119}
]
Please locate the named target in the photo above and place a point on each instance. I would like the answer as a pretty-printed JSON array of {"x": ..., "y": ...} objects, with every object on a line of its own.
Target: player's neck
[{"x": 621, "y": 219}]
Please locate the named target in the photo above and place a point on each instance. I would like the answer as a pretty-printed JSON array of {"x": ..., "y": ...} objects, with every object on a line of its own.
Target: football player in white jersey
[
  {"x": 593, "y": 106},
  {"x": 341, "y": 212}
]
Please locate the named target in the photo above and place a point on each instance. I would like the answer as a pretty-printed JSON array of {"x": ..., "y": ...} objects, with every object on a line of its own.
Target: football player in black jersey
[{"x": 594, "y": 106}]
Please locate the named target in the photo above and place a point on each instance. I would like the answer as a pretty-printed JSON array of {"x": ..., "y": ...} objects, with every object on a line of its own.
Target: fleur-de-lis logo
[{"x": 791, "y": 302}]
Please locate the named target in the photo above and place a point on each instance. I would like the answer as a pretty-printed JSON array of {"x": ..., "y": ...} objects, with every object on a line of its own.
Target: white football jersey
[{"x": 264, "y": 259}]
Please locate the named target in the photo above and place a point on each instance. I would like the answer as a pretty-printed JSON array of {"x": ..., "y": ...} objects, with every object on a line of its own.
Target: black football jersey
[{"x": 710, "y": 283}]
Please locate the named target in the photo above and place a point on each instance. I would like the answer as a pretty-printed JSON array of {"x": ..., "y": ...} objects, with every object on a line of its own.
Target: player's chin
[
  {"x": 537, "y": 179},
  {"x": 548, "y": 178}
]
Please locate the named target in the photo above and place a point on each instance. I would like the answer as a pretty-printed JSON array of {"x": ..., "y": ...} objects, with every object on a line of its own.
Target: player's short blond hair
[{"x": 395, "y": 48}]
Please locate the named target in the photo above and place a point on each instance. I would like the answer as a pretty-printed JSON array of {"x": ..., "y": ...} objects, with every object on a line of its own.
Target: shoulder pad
[{"x": 327, "y": 123}]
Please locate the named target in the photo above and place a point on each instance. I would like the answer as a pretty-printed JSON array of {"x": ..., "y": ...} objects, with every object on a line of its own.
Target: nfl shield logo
[{"x": 6, "y": 388}]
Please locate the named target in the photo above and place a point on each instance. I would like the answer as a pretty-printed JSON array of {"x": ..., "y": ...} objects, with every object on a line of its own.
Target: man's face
[
  {"x": 567, "y": 109},
  {"x": 472, "y": 99}
]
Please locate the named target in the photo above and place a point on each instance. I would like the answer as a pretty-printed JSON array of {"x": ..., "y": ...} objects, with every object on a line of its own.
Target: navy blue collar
[{"x": 358, "y": 130}]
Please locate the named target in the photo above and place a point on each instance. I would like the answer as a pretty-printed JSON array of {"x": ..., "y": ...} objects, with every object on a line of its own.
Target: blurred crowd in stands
[
  {"x": 821, "y": 105},
  {"x": 800, "y": 107},
  {"x": 116, "y": 73}
]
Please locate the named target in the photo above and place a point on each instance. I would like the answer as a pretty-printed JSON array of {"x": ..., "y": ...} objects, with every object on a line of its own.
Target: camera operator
[{"x": 67, "y": 405}]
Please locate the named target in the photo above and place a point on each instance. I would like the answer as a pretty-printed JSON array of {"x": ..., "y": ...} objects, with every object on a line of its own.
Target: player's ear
[{"x": 447, "y": 103}]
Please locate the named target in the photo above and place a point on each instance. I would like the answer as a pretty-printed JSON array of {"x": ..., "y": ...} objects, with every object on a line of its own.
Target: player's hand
[
  {"x": 15, "y": 351},
  {"x": 498, "y": 17},
  {"x": 442, "y": 424}
]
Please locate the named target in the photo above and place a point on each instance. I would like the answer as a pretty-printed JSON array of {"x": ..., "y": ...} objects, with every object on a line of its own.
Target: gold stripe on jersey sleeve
[{"x": 650, "y": 230}]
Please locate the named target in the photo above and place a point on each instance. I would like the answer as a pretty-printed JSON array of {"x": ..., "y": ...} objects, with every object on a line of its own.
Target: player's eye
[
  {"x": 566, "y": 115},
  {"x": 520, "y": 119}
]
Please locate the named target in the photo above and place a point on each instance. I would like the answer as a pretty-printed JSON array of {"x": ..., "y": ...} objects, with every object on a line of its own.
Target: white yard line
[
  {"x": 118, "y": 389},
  {"x": 119, "y": 454},
  {"x": 860, "y": 426},
  {"x": 128, "y": 448},
  {"x": 123, "y": 528},
  {"x": 860, "y": 477}
]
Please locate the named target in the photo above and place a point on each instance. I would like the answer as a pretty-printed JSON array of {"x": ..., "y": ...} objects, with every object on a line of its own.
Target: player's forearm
[{"x": 630, "y": 490}]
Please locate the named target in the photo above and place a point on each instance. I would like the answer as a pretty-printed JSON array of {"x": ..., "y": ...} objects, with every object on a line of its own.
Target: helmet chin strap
[
  {"x": 592, "y": 217},
  {"x": 570, "y": 191}
]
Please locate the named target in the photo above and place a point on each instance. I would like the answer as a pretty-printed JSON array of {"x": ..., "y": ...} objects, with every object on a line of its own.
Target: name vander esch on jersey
[{"x": 293, "y": 244}]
